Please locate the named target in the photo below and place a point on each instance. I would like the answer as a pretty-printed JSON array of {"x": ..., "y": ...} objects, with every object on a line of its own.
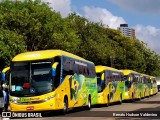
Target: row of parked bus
[{"x": 58, "y": 80}]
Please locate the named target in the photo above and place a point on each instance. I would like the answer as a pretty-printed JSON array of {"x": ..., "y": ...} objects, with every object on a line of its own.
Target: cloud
[
  {"x": 102, "y": 15},
  {"x": 149, "y": 35},
  {"x": 140, "y": 6},
  {"x": 62, "y": 6}
]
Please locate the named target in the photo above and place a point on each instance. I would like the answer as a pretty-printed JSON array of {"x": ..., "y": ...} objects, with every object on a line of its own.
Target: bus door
[
  {"x": 136, "y": 86},
  {"x": 115, "y": 87},
  {"x": 108, "y": 84},
  {"x": 112, "y": 87}
]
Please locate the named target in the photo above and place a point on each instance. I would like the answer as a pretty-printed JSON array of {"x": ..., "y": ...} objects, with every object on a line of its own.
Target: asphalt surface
[{"x": 145, "y": 109}]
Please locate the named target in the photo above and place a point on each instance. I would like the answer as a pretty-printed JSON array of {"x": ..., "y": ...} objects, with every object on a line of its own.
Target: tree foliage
[{"x": 33, "y": 25}]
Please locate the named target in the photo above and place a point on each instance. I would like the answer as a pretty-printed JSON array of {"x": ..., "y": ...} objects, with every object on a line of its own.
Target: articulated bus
[
  {"x": 133, "y": 85},
  {"x": 110, "y": 85},
  {"x": 51, "y": 80},
  {"x": 154, "y": 89},
  {"x": 147, "y": 85}
]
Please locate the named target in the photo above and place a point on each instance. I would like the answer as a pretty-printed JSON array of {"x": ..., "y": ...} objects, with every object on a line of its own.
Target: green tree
[{"x": 11, "y": 44}]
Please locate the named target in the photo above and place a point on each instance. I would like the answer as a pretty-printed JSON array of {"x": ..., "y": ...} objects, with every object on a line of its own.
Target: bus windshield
[
  {"x": 127, "y": 81},
  {"x": 30, "y": 78},
  {"x": 100, "y": 82}
]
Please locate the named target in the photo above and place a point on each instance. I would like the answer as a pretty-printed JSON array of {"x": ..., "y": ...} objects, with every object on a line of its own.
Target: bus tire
[
  {"x": 132, "y": 99},
  {"x": 89, "y": 103},
  {"x": 65, "y": 107},
  {"x": 120, "y": 101},
  {"x": 108, "y": 101},
  {"x": 140, "y": 96}
]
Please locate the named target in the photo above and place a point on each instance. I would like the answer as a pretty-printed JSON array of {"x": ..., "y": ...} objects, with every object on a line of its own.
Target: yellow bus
[
  {"x": 147, "y": 85},
  {"x": 110, "y": 85},
  {"x": 51, "y": 80},
  {"x": 133, "y": 85},
  {"x": 154, "y": 88}
]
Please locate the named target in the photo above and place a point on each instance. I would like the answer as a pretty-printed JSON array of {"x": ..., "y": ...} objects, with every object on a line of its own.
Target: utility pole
[{"x": 112, "y": 60}]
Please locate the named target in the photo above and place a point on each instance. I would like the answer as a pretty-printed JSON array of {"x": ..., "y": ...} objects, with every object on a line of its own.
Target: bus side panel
[
  {"x": 140, "y": 90},
  {"x": 91, "y": 88},
  {"x": 121, "y": 89},
  {"x": 78, "y": 94},
  {"x": 81, "y": 87},
  {"x": 116, "y": 94},
  {"x": 112, "y": 91},
  {"x": 103, "y": 96},
  {"x": 136, "y": 90}
]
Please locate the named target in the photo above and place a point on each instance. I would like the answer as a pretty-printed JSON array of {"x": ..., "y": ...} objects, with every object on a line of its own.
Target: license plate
[{"x": 30, "y": 108}]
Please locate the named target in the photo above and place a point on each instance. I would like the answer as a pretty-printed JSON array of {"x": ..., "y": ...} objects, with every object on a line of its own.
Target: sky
[{"x": 142, "y": 15}]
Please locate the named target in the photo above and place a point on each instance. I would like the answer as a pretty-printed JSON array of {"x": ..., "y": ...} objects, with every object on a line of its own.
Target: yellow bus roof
[
  {"x": 152, "y": 77},
  {"x": 127, "y": 72},
  {"x": 44, "y": 54},
  {"x": 100, "y": 68},
  {"x": 144, "y": 74}
]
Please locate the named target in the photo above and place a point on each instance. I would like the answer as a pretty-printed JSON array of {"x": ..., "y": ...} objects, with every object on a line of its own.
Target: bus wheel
[
  {"x": 89, "y": 103},
  {"x": 132, "y": 99},
  {"x": 65, "y": 106},
  {"x": 108, "y": 101},
  {"x": 120, "y": 101},
  {"x": 140, "y": 96}
]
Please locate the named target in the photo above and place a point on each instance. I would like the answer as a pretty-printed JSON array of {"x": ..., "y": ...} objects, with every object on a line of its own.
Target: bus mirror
[
  {"x": 129, "y": 79},
  {"x": 53, "y": 72},
  {"x": 54, "y": 66},
  {"x": 3, "y": 76},
  {"x": 102, "y": 76}
]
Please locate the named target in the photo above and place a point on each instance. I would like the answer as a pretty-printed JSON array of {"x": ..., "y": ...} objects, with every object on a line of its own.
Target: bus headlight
[
  {"x": 50, "y": 97},
  {"x": 126, "y": 94},
  {"x": 14, "y": 99}
]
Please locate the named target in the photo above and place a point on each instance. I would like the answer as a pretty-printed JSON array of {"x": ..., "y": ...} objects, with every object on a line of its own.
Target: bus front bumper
[
  {"x": 127, "y": 96},
  {"x": 101, "y": 99},
  {"x": 46, "y": 106},
  {"x": 151, "y": 92}
]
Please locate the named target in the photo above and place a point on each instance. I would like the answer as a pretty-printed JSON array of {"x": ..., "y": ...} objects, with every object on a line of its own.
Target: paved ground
[{"x": 149, "y": 108}]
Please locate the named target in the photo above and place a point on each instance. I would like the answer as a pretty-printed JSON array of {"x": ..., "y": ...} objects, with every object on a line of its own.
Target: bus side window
[
  {"x": 56, "y": 79},
  {"x": 87, "y": 71},
  {"x": 80, "y": 69},
  {"x": 119, "y": 77},
  {"x": 92, "y": 72},
  {"x": 75, "y": 68},
  {"x": 112, "y": 78}
]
